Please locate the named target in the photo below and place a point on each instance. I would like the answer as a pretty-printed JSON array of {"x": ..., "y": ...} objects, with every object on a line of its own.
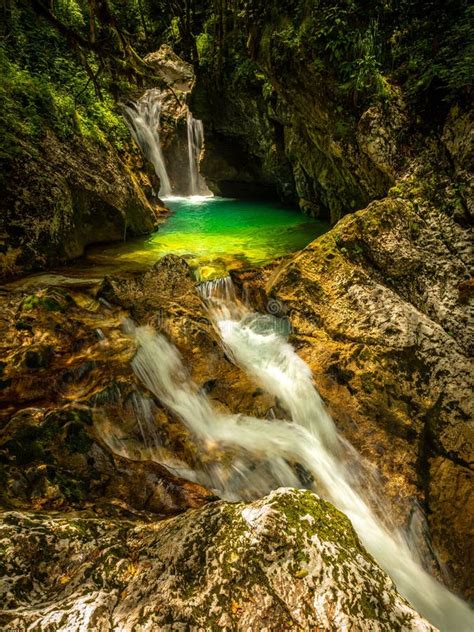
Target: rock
[
  {"x": 244, "y": 141},
  {"x": 458, "y": 137},
  {"x": 379, "y": 129},
  {"x": 287, "y": 560},
  {"x": 283, "y": 131},
  {"x": 377, "y": 313},
  {"x": 104, "y": 451},
  {"x": 172, "y": 69},
  {"x": 38, "y": 358},
  {"x": 70, "y": 195},
  {"x": 55, "y": 455},
  {"x": 57, "y": 460},
  {"x": 451, "y": 501}
]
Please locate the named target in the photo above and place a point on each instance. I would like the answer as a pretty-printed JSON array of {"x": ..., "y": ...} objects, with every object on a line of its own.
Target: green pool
[{"x": 216, "y": 235}]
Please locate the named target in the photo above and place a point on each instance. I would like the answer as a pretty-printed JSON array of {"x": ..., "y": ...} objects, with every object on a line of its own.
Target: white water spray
[
  {"x": 143, "y": 120},
  {"x": 195, "y": 129},
  {"x": 259, "y": 453}
]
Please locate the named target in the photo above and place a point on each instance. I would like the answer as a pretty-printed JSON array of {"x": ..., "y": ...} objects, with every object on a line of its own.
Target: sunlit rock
[{"x": 287, "y": 560}]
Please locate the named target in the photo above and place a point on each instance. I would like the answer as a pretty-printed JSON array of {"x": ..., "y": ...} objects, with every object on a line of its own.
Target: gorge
[{"x": 236, "y": 299}]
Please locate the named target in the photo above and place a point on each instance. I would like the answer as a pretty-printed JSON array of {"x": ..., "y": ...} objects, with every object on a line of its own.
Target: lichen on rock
[{"x": 287, "y": 561}]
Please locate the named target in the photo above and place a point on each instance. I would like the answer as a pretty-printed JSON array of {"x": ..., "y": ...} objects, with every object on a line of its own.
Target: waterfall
[
  {"x": 195, "y": 128},
  {"x": 246, "y": 457},
  {"x": 143, "y": 120}
]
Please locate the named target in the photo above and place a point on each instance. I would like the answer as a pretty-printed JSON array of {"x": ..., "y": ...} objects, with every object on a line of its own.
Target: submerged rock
[{"x": 288, "y": 560}]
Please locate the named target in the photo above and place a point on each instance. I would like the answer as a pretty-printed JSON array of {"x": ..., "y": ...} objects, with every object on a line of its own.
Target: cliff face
[
  {"x": 287, "y": 136},
  {"x": 245, "y": 148},
  {"x": 65, "y": 197},
  {"x": 325, "y": 105},
  {"x": 69, "y": 174}
]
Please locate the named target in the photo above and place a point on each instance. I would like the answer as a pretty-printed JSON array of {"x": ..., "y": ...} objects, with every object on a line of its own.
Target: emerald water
[{"x": 216, "y": 235}]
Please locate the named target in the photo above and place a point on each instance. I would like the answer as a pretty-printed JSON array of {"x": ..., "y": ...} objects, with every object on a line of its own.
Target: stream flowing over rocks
[
  {"x": 124, "y": 455},
  {"x": 282, "y": 447}
]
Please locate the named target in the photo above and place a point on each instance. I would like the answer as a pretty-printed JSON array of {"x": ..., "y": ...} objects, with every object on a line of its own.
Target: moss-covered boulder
[{"x": 288, "y": 561}]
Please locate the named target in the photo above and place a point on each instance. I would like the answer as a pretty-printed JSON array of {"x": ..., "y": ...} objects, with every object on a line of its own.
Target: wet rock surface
[
  {"x": 71, "y": 440},
  {"x": 65, "y": 375},
  {"x": 77, "y": 429},
  {"x": 166, "y": 297},
  {"x": 379, "y": 313},
  {"x": 287, "y": 560}
]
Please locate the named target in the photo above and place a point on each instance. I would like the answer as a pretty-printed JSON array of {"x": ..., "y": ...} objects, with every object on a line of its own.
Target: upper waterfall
[
  {"x": 178, "y": 171},
  {"x": 195, "y": 129},
  {"x": 143, "y": 120}
]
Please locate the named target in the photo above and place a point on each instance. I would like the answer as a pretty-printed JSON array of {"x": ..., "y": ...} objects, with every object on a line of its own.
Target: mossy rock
[{"x": 288, "y": 561}]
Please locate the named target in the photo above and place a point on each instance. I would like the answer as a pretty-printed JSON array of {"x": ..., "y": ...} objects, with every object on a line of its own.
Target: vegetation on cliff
[
  {"x": 425, "y": 47},
  {"x": 68, "y": 170}
]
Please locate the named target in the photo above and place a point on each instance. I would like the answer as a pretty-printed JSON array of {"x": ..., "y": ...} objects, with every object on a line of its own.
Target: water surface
[{"x": 216, "y": 235}]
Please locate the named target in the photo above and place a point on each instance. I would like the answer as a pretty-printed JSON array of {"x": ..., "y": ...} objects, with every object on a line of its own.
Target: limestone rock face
[
  {"x": 287, "y": 560},
  {"x": 458, "y": 137},
  {"x": 66, "y": 197},
  {"x": 174, "y": 71},
  {"x": 380, "y": 308},
  {"x": 378, "y": 129}
]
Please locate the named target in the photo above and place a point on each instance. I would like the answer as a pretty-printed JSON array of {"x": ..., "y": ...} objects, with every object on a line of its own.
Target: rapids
[{"x": 245, "y": 457}]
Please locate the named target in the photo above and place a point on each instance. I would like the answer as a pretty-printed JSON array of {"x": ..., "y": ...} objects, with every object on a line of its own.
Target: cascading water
[
  {"x": 143, "y": 120},
  {"x": 259, "y": 453},
  {"x": 195, "y": 128}
]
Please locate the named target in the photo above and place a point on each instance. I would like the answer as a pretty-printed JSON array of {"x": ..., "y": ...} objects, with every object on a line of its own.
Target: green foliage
[
  {"x": 44, "y": 86},
  {"x": 358, "y": 47},
  {"x": 172, "y": 34},
  {"x": 246, "y": 72},
  {"x": 364, "y": 70},
  {"x": 205, "y": 46},
  {"x": 25, "y": 103},
  {"x": 337, "y": 40},
  {"x": 71, "y": 13},
  {"x": 47, "y": 303},
  {"x": 433, "y": 50}
]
